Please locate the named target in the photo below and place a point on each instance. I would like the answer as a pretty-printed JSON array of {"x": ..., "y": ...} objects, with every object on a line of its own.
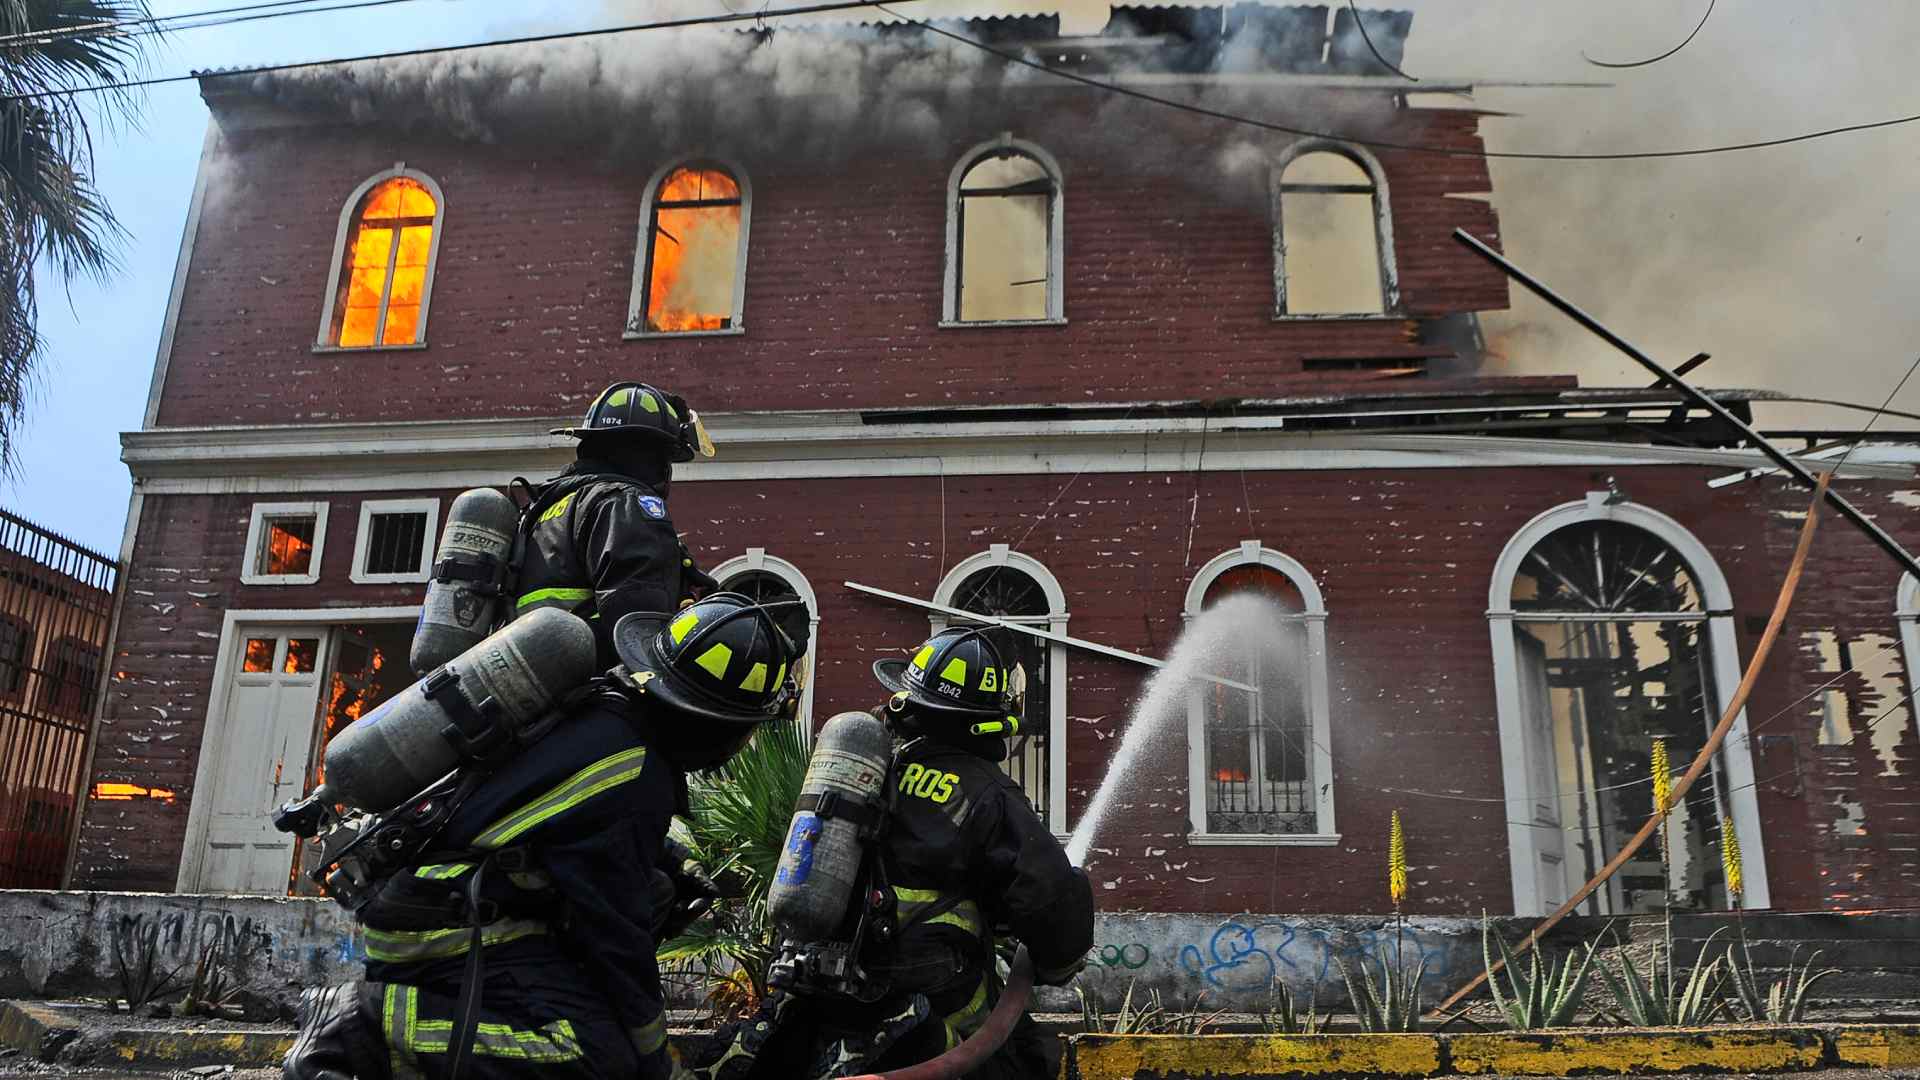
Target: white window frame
[
  {"x": 757, "y": 559},
  {"x": 349, "y": 214},
  {"x": 363, "y": 540},
  {"x": 636, "y": 309},
  {"x": 1907, "y": 611},
  {"x": 1057, "y": 237},
  {"x": 1382, "y": 231},
  {"x": 1055, "y": 621},
  {"x": 1736, "y": 754},
  {"x": 1319, "y": 704},
  {"x": 256, "y": 531}
]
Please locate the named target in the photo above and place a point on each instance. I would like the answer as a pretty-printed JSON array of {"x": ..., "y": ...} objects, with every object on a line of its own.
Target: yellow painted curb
[
  {"x": 1566, "y": 1053},
  {"x": 1891, "y": 1047},
  {"x": 242, "y": 1049},
  {"x": 1124, "y": 1057}
]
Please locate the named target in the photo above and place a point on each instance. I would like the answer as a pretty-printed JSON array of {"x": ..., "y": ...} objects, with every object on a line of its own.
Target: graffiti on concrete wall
[{"x": 1251, "y": 954}]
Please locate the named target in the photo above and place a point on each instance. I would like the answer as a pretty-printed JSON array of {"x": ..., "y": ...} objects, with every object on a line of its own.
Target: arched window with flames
[
  {"x": 383, "y": 263},
  {"x": 690, "y": 269},
  {"x": 1005, "y": 245},
  {"x": 1332, "y": 235}
]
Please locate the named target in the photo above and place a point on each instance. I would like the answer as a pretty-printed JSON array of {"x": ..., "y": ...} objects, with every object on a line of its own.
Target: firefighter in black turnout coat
[
  {"x": 968, "y": 860},
  {"x": 550, "y": 860}
]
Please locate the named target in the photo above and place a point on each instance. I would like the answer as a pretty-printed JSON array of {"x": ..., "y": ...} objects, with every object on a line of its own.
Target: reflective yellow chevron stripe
[
  {"x": 650, "y": 1036},
  {"x": 442, "y": 871},
  {"x": 967, "y": 1019},
  {"x": 965, "y": 914},
  {"x": 408, "y": 946},
  {"x": 408, "y": 1034},
  {"x": 610, "y": 771},
  {"x": 558, "y": 596}
]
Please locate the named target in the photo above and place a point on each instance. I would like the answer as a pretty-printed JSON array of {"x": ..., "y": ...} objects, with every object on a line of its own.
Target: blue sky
[{"x": 1794, "y": 267}]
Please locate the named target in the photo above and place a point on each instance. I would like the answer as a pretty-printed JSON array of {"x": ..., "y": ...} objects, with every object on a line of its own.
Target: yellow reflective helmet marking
[
  {"x": 956, "y": 671},
  {"x": 756, "y": 678},
  {"x": 780, "y": 676},
  {"x": 922, "y": 658},
  {"x": 715, "y": 660},
  {"x": 619, "y": 397},
  {"x": 649, "y": 402},
  {"x": 990, "y": 679},
  {"x": 682, "y": 625}
]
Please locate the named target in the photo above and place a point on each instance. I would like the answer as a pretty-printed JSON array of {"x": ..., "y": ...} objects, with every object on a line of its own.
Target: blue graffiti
[
  {"x": 1243, "y": 951},
  {"x": 1254, "y": 954}
]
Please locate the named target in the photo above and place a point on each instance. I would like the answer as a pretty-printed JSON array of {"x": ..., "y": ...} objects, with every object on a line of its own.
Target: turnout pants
[{"x": 394, "y": 1031}]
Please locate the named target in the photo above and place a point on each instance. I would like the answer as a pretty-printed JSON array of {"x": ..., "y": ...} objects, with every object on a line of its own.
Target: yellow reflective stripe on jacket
[
  {"x": 650, "y": 1036},
  {"x": 554, "y": 596},
  {"x": 408, "y": 1034},
  {"x": 610, "y": 771},
  {"x": 967, "y": 1019},
  {"x": 442, "y": 871},
  {"x": 965, "y": 914},
  {"x": 407, "y": 946}
]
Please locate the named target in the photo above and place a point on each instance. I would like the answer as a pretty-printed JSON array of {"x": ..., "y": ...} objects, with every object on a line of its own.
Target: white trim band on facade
[{"x": 411, "y": 456}]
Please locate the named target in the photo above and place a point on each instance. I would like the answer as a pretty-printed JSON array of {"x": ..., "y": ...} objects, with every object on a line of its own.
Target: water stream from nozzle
[{"x": 1215, "y": 642}]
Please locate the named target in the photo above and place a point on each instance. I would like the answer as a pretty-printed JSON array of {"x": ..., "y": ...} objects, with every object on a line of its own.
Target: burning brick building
[{"x": 992, "y": 341}]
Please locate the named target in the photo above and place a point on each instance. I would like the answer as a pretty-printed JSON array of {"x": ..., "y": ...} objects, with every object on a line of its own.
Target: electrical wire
[
  {"x": 1354, "y": 6},
  {"x": 156, "y": 24},
  {"x": 1387, "y": 144},
  {"x": 1652, "y": 59}
]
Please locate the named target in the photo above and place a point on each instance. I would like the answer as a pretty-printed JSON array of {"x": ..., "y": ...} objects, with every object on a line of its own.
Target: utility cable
[
  {"x": 1386, "y": 144},
  {"x": 1354, "y": 7},
  {"x": 155, "y": 24},
  {"x": 1654, "y": 59}
]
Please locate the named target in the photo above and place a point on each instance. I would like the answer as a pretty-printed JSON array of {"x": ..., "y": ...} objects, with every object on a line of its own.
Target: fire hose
[{"x": 976, "y": 1048}]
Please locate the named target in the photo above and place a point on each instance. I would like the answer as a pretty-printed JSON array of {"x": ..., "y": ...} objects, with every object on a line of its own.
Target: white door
[
  {"x": 1543, "y": 775},
  {"x": 272, "y": 702}
]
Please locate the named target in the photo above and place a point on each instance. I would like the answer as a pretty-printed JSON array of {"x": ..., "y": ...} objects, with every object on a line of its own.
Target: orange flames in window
[
  {"x": 386, "y": 267},
  {"x": 1232, "y": 776},
  {"x": 693, "y": 252},
  {"x": 130, "y": 792}
]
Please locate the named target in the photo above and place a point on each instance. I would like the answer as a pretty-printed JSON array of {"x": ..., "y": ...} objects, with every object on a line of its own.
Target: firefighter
[
  {"x": 967, "y": 859},
  {"x": 549, "y": 864},
  {"x": 602, "y": 544}
]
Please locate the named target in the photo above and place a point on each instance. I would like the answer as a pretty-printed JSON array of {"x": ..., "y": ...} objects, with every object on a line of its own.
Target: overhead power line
[
  {"x": 156, "y": 24},
  {"x": 1656, "y": 59}
]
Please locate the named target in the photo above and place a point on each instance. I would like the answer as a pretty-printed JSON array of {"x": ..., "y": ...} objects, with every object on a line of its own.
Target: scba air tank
[
  {"x": 845, "y": 791},
  {"x": 468, "y": 573},
  {"x": 395, "y": 751}
]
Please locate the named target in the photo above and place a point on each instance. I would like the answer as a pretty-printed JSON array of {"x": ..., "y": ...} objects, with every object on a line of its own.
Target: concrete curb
[
  {"x": 1537, "y": 1053},
  {"x": 44, "y": 1034}
]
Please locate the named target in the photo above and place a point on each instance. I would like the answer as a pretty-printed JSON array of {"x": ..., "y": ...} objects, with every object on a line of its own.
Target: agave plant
[
  {"x": 1150, "y": 1017},
  {"x": 1282, "y": 1015},
  {"x": 1659, "y": 1001},
  {"x": 1785, "y": 1000},
  {"x": 1389, "y": 1003},
  {"x": 1547, "y": 993},
  {"x": 739, "y": 826}
]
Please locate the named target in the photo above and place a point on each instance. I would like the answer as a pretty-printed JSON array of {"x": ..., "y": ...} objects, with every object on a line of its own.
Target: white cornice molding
[{"x": 759, "y": 446}]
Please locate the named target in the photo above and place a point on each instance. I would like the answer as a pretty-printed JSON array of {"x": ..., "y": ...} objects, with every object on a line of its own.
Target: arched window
[
  {"x": 1611, "y": 630},
  {"x": 1016, "y": 588},
  {"x": 690, "y": 270},
  {"x": 1333, "y": 231},
  {"x": 765, "y": 578},
  {"x": 1005, "y": 247},
  {"x": 383, "y": 263},
  {"x": 1259, "y": 761},
  {"x": 16, "y": 655}
]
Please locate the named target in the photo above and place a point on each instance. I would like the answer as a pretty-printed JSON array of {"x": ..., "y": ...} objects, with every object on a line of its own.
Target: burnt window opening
[
  {"x": 385, "y": 267},
  {"x": 1011, "y": 594},
  {"x": 67, "y": 681},
  {"x": 1259, "y": 755},
  {"x": 286, "y": 546},
  {"x": 1613, "y": 655},
  {"x": 693, "y": 253},
  {"x": 1330, "y": 238},
  {"x": 1004, "y": 236},
  {"x": 16, "y": 655}
]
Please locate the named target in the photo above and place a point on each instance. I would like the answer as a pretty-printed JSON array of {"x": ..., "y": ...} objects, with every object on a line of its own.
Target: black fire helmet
[
  {"x": 636, "y": 410},
  {"x": 960, "y": 671},
  {"x": 720, "y": 667}
]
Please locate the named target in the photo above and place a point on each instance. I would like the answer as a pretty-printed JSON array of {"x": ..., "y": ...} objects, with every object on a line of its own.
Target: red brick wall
[
  {"x": 1404, "y": 561},
  {"x": 1169, "y": 276}
]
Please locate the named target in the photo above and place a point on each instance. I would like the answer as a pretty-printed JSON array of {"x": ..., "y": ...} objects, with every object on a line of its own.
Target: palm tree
[{"x": 49, "y": 206}]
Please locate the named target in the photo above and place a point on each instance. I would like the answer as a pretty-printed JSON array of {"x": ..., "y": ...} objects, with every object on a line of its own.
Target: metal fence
[{"x": 56, "y": 604}]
